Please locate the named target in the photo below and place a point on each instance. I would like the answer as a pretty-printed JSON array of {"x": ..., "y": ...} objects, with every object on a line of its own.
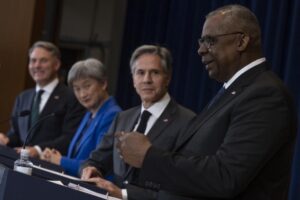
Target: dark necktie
[
  {"x": 35, "y": 109},
  {"x": 143, "y": 122},
  {"x": 217, "y": 97},
  {"x": 132, "y": 173}
]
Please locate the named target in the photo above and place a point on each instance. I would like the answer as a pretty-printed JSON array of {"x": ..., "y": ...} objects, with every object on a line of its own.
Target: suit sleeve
[
  {"x": 102, "y": 157},
  {"x": 13, "y": 133},
  {"x": 137, "y": 193},
  {"x": 259, "y": 127}
]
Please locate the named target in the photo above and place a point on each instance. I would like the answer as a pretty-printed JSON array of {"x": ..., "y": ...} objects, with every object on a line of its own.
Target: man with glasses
[{"x": 240, "y": 146}]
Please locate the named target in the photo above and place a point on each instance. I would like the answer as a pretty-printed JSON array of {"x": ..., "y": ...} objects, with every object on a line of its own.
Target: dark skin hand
[{"x": 133, "y": 147}]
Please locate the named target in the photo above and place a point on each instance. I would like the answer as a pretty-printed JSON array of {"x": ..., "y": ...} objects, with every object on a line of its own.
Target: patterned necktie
[
  {"x": 217, "y": 97},
  {"x": 143, "y": 122},
  {"x": 35, "y": 109}
]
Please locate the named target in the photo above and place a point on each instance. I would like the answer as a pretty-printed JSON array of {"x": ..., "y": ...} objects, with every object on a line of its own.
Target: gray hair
[
  {"x": 243, "y": 18},
  {"x": 89, "y": 68},
  {"x": 47, "y": 46},
  {"x": 162, "y": 52}
]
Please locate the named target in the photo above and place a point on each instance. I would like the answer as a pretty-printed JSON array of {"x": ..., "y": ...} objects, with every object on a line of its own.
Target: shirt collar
[
  {"x": 49, "y": 87},
  {"x": 243, "y": 70},
  {"x": 158, "y": 107}
]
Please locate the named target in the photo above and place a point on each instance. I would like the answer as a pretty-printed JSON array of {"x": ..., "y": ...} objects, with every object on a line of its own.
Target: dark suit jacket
[
  {"x": 54, "y": 132},
  {"x": 163, "y": 134},
  {"x": 240, "y": 148}
]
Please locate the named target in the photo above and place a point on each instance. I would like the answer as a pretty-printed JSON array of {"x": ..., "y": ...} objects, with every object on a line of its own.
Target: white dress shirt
[
  {"x": 243, "y": 70},
  {"x": 156, "y": 110},
  {"x": 48, "y": 89}
]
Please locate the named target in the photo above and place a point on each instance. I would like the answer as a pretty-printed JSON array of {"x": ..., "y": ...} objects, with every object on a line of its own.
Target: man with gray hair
[
  {"x": 159, "y": 117},
  {"x": 240, "y": 146},
  {"x": 48, "y": 98}
]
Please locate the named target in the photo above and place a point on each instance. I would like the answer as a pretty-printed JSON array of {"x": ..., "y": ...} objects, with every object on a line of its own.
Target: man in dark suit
[
  {"x": 151, "y": 72},
  {"x": 240, "y": 146},
  {"x": 55, "y": 131}
]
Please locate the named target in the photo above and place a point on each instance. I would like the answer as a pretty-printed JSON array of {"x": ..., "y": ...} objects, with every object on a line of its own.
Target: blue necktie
[{"x": 217, "y": 97}]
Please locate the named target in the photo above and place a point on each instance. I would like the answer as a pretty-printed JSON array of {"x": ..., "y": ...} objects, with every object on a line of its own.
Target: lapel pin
[
  {"x": 165, "y": 120},
  {"x": 56, "y": 97},
  {"x": 233, "y": 92}
]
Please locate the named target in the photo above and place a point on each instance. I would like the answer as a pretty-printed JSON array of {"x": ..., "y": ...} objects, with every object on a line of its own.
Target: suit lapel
[
  {"x": 53, "y": 101},
  {"x": 29, "y": 105},
  {"x": 77, "y": 135},
  {"x": 50, "y": 106},
  {"x": 132, "y": 120},
  {"x": 231, "y": 93},
  {"x": 129, "y": 125},
  {"x": 162, "y": 122},
  {"x": 88, "y": 132}
]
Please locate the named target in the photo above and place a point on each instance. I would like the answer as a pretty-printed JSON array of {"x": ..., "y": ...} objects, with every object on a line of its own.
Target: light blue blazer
[{"x": 91, "y": 138}]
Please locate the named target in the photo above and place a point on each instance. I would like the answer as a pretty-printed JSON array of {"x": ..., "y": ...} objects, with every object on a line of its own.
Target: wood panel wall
[{"x": 17, "y": 31}]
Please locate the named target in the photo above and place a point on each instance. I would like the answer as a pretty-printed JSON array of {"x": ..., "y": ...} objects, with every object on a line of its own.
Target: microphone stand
[{"x": 35, "y": 125}]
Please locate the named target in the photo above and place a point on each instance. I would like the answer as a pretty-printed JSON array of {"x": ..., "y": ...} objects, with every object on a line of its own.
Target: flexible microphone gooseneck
[{"x": 35, "y": 125}]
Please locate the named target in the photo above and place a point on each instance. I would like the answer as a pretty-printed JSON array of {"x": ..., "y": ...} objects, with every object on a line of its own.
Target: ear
[
  {"x": 168, "y": 80},
  {"x": 243, "y": 42},
  {"x": 104, "y": 86},
  {"x": 57, "y": 64},
  {"x": 133, "y": 81}
]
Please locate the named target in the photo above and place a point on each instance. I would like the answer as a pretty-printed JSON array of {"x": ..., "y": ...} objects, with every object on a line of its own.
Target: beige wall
[{"x": 16, "y": 21}]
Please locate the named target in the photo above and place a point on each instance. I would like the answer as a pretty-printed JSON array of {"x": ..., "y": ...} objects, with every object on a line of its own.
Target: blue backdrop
[{"x": 177, "y": 24}]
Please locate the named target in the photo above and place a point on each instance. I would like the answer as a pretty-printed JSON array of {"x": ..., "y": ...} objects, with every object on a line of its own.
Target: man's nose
[
  {"x": 147, "y": 77},
  {"x": 202, "y": 50}
]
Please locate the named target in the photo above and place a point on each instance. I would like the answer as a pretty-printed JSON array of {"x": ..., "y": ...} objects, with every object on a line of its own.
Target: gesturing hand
[{"x": 133, "y": 147}]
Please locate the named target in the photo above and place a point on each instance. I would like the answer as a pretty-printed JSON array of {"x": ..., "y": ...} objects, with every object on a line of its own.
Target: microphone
[{"x": 36, "y": 124}]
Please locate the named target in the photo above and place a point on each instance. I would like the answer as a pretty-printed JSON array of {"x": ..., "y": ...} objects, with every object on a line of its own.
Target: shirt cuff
[
  {"x": 124, "y": 194},
  {"x": 39, "y": 150}
]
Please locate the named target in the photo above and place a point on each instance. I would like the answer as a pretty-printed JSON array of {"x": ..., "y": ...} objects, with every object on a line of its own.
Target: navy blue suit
[{"x": 55, "y": 132}]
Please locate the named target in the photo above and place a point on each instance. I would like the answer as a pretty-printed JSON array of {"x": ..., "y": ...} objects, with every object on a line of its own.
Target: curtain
[{"x": 177, "y": 24}]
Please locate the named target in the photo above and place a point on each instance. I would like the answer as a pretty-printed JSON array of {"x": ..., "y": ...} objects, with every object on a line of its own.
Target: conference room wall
[{"x": 20, "y": 23}]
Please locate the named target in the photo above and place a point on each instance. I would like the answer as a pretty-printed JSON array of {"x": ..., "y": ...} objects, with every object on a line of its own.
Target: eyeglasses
[{"x": 209, "y": 40}]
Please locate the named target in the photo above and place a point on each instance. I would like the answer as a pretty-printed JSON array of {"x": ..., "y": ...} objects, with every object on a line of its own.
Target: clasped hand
[
  {"x": 51, "y": 155},
  {"x": 132, "y": 147}
]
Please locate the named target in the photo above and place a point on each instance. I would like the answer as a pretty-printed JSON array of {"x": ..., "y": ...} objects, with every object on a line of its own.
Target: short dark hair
[{"x": 162, "y": 52}]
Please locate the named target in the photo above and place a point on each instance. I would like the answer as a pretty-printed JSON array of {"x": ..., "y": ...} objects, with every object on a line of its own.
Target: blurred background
[{"x": 111, "y": 29}]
